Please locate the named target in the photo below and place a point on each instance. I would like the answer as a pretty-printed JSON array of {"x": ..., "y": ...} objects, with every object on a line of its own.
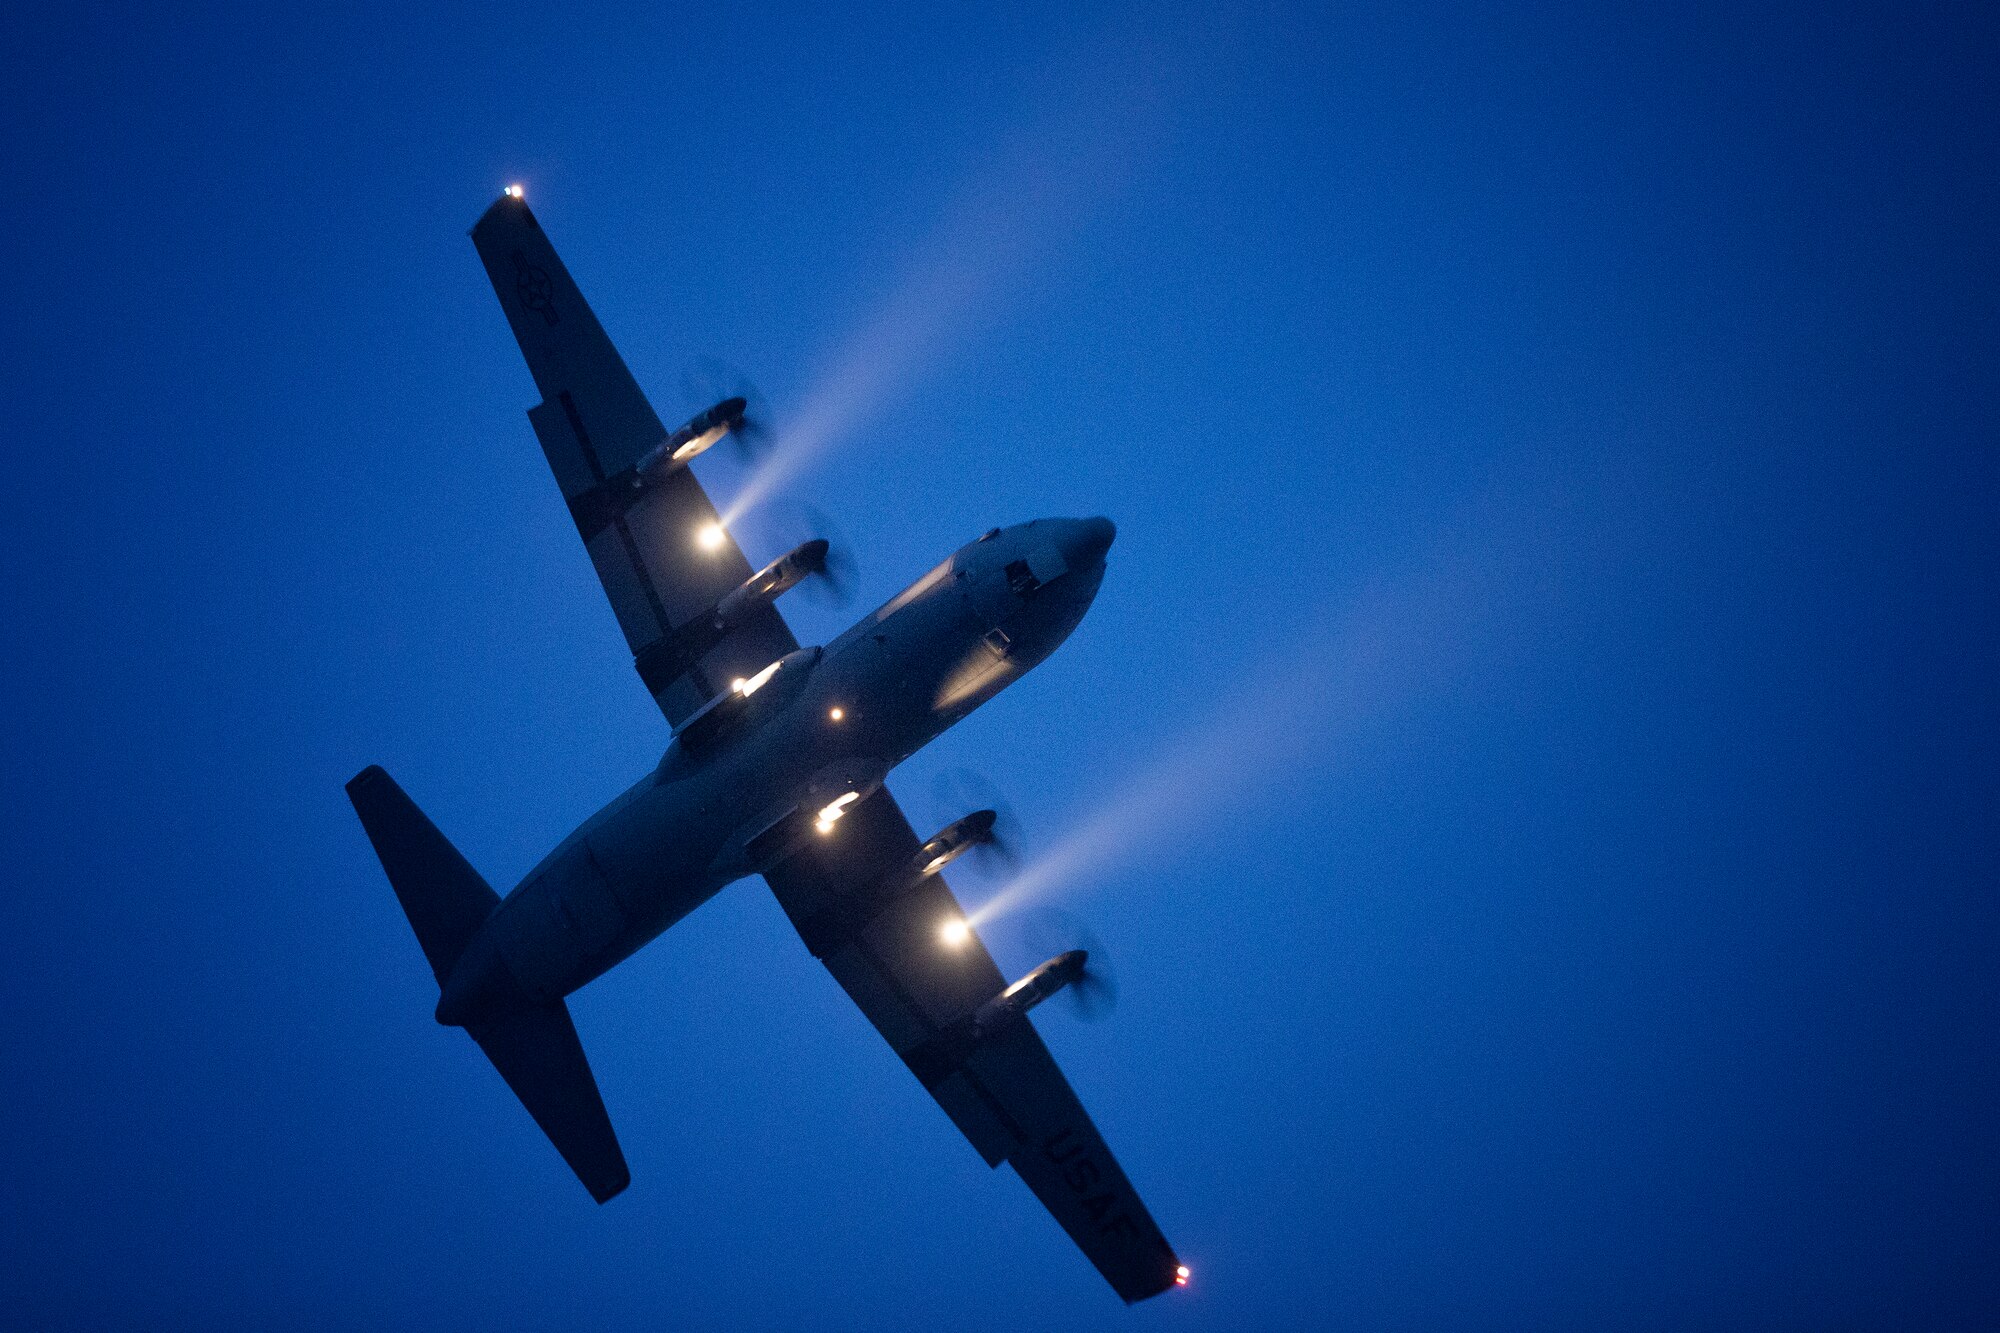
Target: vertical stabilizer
[{"x": 535, "y": 1048}]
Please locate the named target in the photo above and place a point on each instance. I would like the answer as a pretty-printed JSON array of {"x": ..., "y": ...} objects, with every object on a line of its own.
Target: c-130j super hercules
[{"x": 776, "y": 768}]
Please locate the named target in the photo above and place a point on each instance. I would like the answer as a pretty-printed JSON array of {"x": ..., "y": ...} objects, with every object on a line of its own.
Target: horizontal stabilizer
[
  {"x": 536, "y": 1049},
  {"x": 537, "y": 1052},
  {"x": 444, "y": 897}
]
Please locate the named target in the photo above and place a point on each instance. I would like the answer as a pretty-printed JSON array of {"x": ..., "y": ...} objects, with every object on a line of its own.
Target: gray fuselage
[{"x": 739, "y": 789}]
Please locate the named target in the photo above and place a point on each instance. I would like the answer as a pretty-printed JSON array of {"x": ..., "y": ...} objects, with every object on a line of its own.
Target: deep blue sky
[{"x": 1555, "y": 461}]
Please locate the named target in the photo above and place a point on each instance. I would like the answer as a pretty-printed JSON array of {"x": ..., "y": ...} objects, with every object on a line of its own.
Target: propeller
[
  {"x": 958, "y": 791},
  {"x": 1094, "y": 993},
  {"x": 710, "y": 380},
  {"x": 832, "y": 585}
]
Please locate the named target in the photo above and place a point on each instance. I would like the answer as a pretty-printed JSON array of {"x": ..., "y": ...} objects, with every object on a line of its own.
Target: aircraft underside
[{"x": 777, "y": 767}]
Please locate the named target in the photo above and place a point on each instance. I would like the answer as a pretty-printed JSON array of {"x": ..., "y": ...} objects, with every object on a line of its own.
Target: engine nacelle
[
  {"x": 746, "y": 699},
  {"x": 842, "y": 919},
  {"x": 951, "y": 842},
  {"x": 941, "y": 1056},
  {"x": 608, "y": 501},
  {"x": 773, "y": 580},
  {"x": 665, "y": 661},
  {"x": 702, "y": 430},
  {"x": 1028, "y": 992}
]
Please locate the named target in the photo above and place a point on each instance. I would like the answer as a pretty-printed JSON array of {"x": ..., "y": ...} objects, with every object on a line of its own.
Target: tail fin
[
  {"x": 444, "y": 897},
  {"x": 536, "y": 1050}
]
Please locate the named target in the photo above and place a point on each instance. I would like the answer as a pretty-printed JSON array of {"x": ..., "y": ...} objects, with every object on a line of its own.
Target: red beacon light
[{"x": 1181, "y": 1276}]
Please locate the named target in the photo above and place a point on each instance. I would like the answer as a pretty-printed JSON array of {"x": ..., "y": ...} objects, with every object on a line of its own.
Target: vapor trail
[
  {"x": 1395, "y": 642},
  {"x": 1038, "y": 187}
]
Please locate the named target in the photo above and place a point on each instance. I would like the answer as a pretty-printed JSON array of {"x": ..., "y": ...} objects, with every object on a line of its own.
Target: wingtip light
[
  {"x": 1181, "y": 1276},
  {"x": 515, "y": 192}
]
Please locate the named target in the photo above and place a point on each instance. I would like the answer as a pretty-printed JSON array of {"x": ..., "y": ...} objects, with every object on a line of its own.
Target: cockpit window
[{"x": 1022, "y": 579}]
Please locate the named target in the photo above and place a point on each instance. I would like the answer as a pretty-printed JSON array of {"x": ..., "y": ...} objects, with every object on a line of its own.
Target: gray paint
[{"x": 678, "y": 836}]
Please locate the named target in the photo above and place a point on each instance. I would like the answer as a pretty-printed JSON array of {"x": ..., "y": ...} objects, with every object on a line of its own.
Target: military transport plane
[{"x": 776, "y": 768}]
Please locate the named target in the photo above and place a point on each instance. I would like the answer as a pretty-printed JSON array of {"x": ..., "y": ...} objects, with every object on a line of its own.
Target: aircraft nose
[{"x": 1092, "y": 538}]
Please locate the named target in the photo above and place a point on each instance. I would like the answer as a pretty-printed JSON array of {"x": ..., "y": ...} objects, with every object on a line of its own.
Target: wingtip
[
  {"x": 605, "y": 1191},
  {"x": 512, "y": 203},
  {"x": 370, "y": 774}
]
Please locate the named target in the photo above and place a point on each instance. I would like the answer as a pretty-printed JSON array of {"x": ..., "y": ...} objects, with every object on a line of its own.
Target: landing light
[
  {"x": 955, "y": 932},
  {"x": 749, "y": 687},
  {"x": 711, "y": 537},
  {"x": 835, "y": 714},
  {"x": 830, "y": 814}
]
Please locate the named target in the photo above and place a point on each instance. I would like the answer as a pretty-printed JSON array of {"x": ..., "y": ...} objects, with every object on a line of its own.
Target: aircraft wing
[
  {"x": 594, "y": 424},
  {"x": 851, "y": 898}
]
